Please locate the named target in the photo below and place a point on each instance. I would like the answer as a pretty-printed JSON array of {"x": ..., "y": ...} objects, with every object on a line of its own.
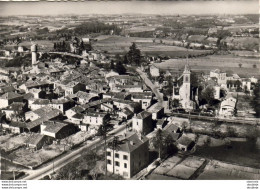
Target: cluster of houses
[
  {"x": 52, "y": 106},
  {"x": 222, "y": 83}
]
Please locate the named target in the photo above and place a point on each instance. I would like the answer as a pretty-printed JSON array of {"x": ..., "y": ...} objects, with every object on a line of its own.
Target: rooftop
[
  {"x": 143, "y": 115},
  {"x": 10, "y": 95},
  {"x": 131, "y": 141},
  {"x": 54, "y": 126}
]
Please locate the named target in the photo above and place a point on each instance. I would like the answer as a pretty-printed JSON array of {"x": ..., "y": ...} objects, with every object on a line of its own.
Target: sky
[{"x": 128, "y": 7}]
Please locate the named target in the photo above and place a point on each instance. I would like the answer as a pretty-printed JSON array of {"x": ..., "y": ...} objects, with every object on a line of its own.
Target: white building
[
  {"x": 228, "y": 107},
  {"x": 154, "y": 71},
  {"x": 182, "y": 92},
  {"x": 131, "y": 156}
]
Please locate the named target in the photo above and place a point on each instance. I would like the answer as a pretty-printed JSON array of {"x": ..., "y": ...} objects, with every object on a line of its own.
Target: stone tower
[
  {"x": 186, "y": 86},
  {"x": 34, "y": 54}
]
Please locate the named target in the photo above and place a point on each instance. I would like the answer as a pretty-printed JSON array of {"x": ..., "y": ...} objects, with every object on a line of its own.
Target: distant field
[
  {"x": 42, "y": 44},
  {"x": 140, "y": 29},
  {"x": 119, "y": 44},
  {"x": 225, "y": 63}
]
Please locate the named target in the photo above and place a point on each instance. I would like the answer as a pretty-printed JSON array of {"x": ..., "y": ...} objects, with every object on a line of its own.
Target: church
[{"x": 182, "y": 90}]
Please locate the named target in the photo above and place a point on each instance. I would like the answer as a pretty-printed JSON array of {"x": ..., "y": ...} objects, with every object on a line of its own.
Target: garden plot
[
  {"x": 210, "y": 141},
  {"x": 4, "y": 138},
  {"x": 76, "y": 138},
  {"x": 187, "y": 168},
  {"x": 13, "y": 142},
  {"x": 224, "y": 171},
  {"x": 28, "y": 157},
  {"x": 167, "y": 165}
]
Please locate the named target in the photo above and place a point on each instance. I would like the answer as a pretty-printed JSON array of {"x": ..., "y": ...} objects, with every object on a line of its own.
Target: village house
[
  {"x": 131, "y": 156},
  {"x": 77, "y": 119},
  {"x": 125, "y": 113},
  {"x": 121, "y": 104},
  {"x": 6, "y": 88},
  {"x": 74, "y": 87},
  {"x": 8, "y": 98},
  {"x": 228, "y": 107},
  {"x": 75, "y": 110},
  {"x": 185, "y": 144},
  {"x": 160, "y": 123},
  {"x": 42, "y": 85},
  {"x": 37, "y": 93},
  {"x": 41, "y": 112},
  {"x": 36, "y": 141},
  {"x": 118, "y": 95},
  {"x": 39, "y": 103},
  {"x": 96, "y": 118},
  {"x": 107, "y": 107},
  {"x": 15, "y": 111},
  {"x": 61, "y": 104},
  {"x": 57, "y": 129},
  {"x": 221, "y": 77},
  {"x": 145, "y": 99},
  {"x": 83, "y": 97},
  {"x": 157, "y": 111},
  {"x": 15, "y": 127},
  {"x": 142, "y": 122}
]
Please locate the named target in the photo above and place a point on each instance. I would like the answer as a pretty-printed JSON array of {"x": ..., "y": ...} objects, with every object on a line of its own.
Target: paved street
[
  {"x": 148, "y": 82},
  {"x": 48, "y": 169}
]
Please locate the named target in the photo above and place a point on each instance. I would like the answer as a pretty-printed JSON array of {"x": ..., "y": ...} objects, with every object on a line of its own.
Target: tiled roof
[
  {"x": 143, "y": 115},
  {"x": 41, "y": 101},
  {"x": 54, "y": 126},
  {"x": 131, "y": 142},
  {"x": 10, "y": 95},
  {"x": 34, "y": 138},
  {"x": 184, "y": 140}
]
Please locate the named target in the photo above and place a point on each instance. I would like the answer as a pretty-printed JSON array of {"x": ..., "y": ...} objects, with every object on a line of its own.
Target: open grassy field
[
  {"x": 120, "y": 45},
  {"x": 223, "y": 62}
]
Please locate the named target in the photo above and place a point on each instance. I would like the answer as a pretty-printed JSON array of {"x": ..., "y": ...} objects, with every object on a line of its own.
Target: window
[
  {"x": 187, "y": 78},
  {"x": 125, "y": 157},
  {"x": 125, "y": 165},
  {"x": 116, "y": 155},
  {"x": 108, "y": 153},
  {"x": 109, "y": 162},
  {"x": 117, "y": 164}
]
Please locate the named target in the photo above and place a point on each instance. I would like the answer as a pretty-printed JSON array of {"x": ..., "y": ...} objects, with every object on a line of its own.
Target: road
[
  {"x": 57, "y": 164},
  {"x": 148, "y": 82},
  {"x": 67, "y": 54}
]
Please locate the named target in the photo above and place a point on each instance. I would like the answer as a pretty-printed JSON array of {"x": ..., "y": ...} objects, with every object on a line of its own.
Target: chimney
[{"x": 131, "y": 142}]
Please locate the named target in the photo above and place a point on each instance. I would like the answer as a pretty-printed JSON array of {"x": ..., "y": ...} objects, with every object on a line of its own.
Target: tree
[
  {"x": 134, "y": 55},
  {"x": 112, "y": 66},
  {"x": 162, "y": 141},
  {"x": 208, "y": 95},
  {"x": 255, "y": 102},
  {"x": 125, "y": 61},
  {"x": 175, "y": 103},
  {"x": 240, "y": 65},
  {"x": 120, "y": 68},
  {"x": 114, "y": 146}
]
